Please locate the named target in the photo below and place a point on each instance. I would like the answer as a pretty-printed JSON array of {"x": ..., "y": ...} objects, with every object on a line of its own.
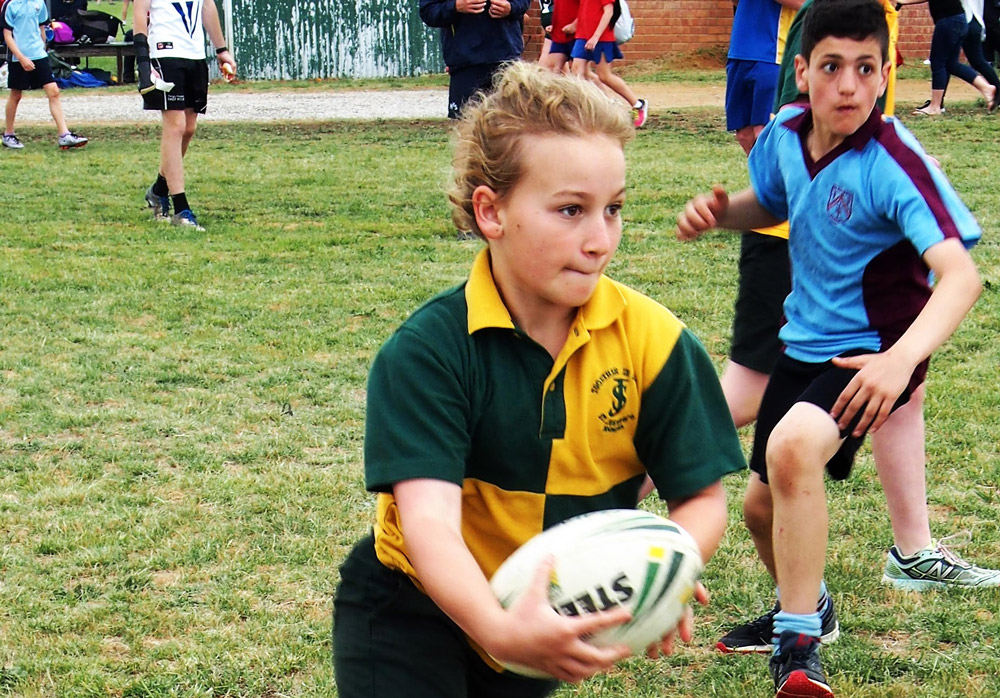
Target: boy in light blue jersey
[
  {"x": 870, "y": 217},
  {"x": 29, "y": 69}
]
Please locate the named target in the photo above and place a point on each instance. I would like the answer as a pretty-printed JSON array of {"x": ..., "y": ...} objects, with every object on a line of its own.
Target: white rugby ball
[{"x": 617, "y": 557}]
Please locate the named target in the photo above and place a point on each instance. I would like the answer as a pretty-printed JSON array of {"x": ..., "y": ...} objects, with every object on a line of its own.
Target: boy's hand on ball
[
  {"x": 684, "y": 629},
  {"x": 701, "y": 213},
  {"x": 538, "y": 637}
]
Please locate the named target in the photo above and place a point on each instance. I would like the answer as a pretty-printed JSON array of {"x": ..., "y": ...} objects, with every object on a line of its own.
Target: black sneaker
[
  {"x": 796, "y": 669},
  {"x": 757, "y": 636}
]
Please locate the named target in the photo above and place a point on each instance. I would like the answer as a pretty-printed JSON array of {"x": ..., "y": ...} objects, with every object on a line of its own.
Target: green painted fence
[{"x": 297, "y": 39}]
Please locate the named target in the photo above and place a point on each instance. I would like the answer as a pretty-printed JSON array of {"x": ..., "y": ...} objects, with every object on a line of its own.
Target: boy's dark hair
[{"x": 845, "y": 19}]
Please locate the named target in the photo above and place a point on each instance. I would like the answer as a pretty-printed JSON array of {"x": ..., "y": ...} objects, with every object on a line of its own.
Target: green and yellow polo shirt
[{"x": 460, "y": 394}]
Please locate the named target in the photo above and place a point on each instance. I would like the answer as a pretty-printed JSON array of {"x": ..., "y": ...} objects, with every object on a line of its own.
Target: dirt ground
[{"x": 665, "y": 95}]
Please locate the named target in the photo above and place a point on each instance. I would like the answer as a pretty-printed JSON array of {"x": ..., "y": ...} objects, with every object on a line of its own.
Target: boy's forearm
[
  {"x": 140, "y": 17},
  {"x": 703, "y": 516},
  {"x": 956, "y": 291},
  {"x": 745, "y": 213},
  {"x": 8, "y": 38}
]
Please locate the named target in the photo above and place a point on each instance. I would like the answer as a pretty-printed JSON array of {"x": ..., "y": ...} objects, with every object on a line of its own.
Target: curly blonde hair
[{"x": 527, "y": 100}]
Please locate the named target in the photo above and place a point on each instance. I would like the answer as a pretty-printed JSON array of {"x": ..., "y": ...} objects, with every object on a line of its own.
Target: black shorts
[
  {"x": 20, "y": 79},
  {"x": 390, "y": 639},
  {"x": 464, "y": 83},
  {"x": 190, "y": 78},
  {"x": 765, "y": 282},
  {"x": 820, "y": 384}
]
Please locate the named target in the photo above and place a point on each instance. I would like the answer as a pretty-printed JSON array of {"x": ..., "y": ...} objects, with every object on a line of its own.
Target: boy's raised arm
[{"x": 742, "y": 211}]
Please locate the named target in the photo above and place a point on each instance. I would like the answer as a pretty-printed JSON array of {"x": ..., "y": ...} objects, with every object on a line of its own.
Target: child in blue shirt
[
  {"x": 29, "y": 67},
  {"x": 870, "y": 216}
]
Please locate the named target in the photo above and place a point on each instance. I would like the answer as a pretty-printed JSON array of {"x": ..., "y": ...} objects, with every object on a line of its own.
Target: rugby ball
[{"x": 617, "y": 557}]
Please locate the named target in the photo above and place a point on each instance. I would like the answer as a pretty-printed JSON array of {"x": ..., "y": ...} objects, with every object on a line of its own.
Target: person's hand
[
  {"x": 701, "y": 213},
  {"x": 472, "y": 7},
  {"x": 499, "y": 8},
  {"x": 591, "y": 43},
  {"x": 570, "y": 28},
  {"x": 28, "y": 65},
  {"x": 538, "y": 637},
  {"x": 684, "y": 629},
  {"x": 226, "y": 59},
  {"x": 876, "y": 386}
]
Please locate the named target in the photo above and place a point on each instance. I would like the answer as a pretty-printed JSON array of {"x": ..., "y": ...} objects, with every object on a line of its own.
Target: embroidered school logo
[
  {"x": 613, "y": 389},
  {"x": 190, "y": 13},
  {"x": 840, "y": 205}
]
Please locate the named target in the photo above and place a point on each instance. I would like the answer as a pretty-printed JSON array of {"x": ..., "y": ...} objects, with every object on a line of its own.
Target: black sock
[
  {"x": 160, "y": 186},
  {"x": 180, "y": 202}
]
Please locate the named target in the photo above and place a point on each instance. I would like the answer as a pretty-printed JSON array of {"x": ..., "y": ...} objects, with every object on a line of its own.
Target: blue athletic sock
[{"x": 802, "y": 623}]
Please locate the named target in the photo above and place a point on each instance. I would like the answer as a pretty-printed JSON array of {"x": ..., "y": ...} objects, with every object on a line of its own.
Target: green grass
[{"x": 181, "y": 414}]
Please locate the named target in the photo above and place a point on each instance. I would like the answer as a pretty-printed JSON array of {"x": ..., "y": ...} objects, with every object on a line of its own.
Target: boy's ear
[
  {"x": 801, "y": 81},
  {"x": 886, "y": 69},
  {"x": 486, "y": 206}
]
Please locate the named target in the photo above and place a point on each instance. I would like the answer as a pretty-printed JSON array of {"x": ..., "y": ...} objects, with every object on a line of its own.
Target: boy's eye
[
  {"x": 571, "y": 211},
  {"x": 866, "y": 69},
  {"x": 829, "y": 67},
  {"x": 614, "y": 210}
]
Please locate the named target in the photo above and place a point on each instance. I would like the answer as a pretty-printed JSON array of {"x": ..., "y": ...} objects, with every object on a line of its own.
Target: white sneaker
[
  {"x": 10, "y": 141},
  {"x": 936, "y": 566},
  {"x": 71, "y": 140}
]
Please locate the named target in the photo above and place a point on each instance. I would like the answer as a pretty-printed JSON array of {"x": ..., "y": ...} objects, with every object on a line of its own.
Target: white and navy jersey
[
  {"x": 861, "y": 219},
  {"x": 175, "y": 29}
]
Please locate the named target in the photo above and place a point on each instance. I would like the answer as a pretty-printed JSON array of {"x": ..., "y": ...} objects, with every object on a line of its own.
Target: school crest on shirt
[
  {"x": 840, "y": 205},
  {"x": 614, "y": 388}
]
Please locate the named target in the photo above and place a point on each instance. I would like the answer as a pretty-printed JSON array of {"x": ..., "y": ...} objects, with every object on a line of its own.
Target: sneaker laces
[{"x": 947, "y": 544}]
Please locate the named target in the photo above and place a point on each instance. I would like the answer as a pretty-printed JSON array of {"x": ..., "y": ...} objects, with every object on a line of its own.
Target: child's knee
[
  {"x": 52, "y": 90},
  {"x": 788, "y": 455}
]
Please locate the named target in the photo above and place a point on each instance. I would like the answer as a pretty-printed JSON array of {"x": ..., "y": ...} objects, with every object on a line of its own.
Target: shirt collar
[
  {"x": 803, "y": 123},
  {"x": 486, "y": 307}
]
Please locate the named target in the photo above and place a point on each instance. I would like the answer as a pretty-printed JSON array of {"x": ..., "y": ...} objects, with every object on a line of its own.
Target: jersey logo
[
  {"x": 840, "y": 204},
  {"x": 613, "y": 389},
  {"x": 190, "y": 14}
]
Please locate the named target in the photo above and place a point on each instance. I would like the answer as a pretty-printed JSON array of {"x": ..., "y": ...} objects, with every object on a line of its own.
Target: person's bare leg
[
  {"x": 899, "y": 453},
  {"x": 13, "y": 99},
  {"x": 758, "y": 515},
  {"x": 743, "y": 388},
  {"x": 797, "y": 452},
  {"x": 55, "y": 107},
  {"x": 608, "y": 77},
  {"x": 172, "y": 146}
]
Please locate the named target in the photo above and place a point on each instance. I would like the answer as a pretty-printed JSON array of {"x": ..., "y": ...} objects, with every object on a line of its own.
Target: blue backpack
[{"x": 78, "y": 78}]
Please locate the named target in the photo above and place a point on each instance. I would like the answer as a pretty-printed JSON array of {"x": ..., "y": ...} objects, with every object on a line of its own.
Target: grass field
[{"x": 181, "y": 414}]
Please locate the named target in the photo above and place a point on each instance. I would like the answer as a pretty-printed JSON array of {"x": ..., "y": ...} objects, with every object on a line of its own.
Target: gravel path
[{"x": 82, "y": 108}]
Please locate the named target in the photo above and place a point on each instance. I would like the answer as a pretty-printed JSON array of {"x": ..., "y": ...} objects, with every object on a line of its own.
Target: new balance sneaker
[
  {"x": 10, "y": 141},
  {"x": 160, "y": 206},
  {"x": 796, "y": 668},
  {"x": 935, "y": 566},
  {"x": 186, "y": 219},
  {"x": 757, "y": 636},
  {"x": 640, "y": 113},
  {"x": 71, "y": 140}
]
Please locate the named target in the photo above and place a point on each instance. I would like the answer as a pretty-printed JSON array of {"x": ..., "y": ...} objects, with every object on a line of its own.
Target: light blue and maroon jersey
[{"x": 861, "y": 219}]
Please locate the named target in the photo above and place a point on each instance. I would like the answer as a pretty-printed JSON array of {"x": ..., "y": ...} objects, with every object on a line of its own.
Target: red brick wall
[{"x": 664, "y": 27}]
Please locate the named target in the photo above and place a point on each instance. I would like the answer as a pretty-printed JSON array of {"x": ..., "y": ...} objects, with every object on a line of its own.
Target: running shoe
[
  {"x": 160, "y": 206},
  {"x": 935, "y": 566},
  {"x": 186, "y": 219},
  {"x": 796, "y": 668},
  {"x": 71, "y": 140},
  {"x": 757, "y": 636},
  {"x": 640, "y": 113},
  {"x": 10, "y": 141}
]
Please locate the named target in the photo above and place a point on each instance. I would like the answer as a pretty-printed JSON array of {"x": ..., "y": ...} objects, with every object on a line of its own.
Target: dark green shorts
[
  {"x": 765, "y": 282},
  {"x": 390, "y": 639}
]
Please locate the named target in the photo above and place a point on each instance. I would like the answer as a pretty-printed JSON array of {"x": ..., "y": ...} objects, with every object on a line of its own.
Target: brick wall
[{"x": 665, "y": 27}]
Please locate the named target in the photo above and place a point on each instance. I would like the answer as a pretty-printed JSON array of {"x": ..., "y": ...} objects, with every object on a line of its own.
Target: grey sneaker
[
  {"x": 71, "y": 140},
  {"x": 160, "y": 206},
  {"x": 936, "y": 566},
  {"x": 10, "y": 141},
  {"x": 186, "y": 219}
]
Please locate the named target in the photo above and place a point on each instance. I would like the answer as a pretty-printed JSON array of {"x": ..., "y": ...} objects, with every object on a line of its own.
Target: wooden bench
[{"x": 118, "y": 49}]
